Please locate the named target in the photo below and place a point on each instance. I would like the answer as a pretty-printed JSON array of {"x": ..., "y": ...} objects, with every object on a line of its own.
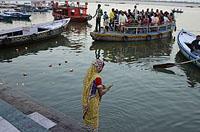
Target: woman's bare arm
[{"x": 103, "y": 89}]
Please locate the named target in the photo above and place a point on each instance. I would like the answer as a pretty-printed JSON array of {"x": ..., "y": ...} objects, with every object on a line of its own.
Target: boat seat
[
  {"x": 51, "y": 26},
  {"x": 29, "y": 30}
]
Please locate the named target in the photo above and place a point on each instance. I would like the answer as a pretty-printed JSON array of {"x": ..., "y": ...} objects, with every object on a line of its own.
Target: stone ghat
[{"x": 19, "y": 111}]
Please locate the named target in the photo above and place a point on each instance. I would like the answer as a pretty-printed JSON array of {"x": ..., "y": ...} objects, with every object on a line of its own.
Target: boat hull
[
  {"x": 81, "y": 19},
  {"x": 22, "y": 39},
  {"x": 184, "y": 39},
  {"x": 127, "y": 37},
  {"x": 145, "y": 33}
]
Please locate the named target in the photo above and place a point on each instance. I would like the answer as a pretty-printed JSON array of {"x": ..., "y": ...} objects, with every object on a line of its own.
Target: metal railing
[{"x": 149, "y": 29}]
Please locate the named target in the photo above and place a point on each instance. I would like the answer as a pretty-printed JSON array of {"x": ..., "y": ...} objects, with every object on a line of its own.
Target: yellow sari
[{"x": 91, "y": 115}]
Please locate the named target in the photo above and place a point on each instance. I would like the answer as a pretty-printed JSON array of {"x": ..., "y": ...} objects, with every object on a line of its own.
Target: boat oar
[{"x": 167, "y": 65}]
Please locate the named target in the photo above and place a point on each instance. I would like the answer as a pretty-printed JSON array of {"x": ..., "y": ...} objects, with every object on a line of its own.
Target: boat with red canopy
[{"x": 75, "y": 11}]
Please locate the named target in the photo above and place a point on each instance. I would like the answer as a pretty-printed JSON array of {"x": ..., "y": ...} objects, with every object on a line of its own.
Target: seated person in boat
[
  {"x": 129, "y": 20},
  {"x": 106, "y": 21},
  {"x": 166, "y": 19},
  {"x": 195, "y": 44},
  {"x": 171, "y": 17}
]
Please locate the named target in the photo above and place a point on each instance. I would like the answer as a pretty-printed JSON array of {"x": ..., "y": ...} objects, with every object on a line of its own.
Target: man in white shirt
[{"x": 122, "y": 20}]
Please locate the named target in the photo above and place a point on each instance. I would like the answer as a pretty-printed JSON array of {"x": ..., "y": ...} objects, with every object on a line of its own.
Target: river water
[{"x": 142, "y": 99}]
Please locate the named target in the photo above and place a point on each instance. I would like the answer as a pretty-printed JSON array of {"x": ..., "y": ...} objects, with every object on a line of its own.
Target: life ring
[{"x": 148, "y": 37}]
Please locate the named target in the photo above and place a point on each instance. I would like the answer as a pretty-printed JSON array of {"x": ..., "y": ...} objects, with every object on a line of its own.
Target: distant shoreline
[
  {"x": 116, "y": 1},
  {"x": 173, "y": 4},
  {"x": 152, "y": 2}
]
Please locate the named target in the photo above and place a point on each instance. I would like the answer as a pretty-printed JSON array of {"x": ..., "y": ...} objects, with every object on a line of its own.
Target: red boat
[{"x": 75, "y": 11}]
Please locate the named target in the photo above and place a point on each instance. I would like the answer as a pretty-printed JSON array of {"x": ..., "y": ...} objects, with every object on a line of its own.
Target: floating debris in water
[
  {"x": 17, "y": 84},
  {"x": 50, "y": 65},
  {"x": 59, "y": 64},
  {"x": 66, "y": 61},
  {"x": 22, "y": 84},
  {"x": 1, "y": 83},
  {"x": 7, "y": 61},
  {"x": 24, "y": 74},
  {"x": 71, "y": 70}
]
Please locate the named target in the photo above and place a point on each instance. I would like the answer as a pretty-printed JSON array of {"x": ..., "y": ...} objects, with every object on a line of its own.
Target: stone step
[
  {"x": 18, "y": 119},
  {"x": 5, "y": 126},
  {"x": 42, "y": 120}
]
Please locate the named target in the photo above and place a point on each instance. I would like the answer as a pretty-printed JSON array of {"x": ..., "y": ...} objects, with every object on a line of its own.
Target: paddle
[{"x": 167, "y": 65}]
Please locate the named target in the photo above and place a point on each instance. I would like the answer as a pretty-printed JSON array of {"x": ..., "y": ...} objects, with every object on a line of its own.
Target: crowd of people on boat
[{"x": 116, "y": 19}]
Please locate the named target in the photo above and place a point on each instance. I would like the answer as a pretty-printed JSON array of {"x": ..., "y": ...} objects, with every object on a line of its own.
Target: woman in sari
[{"x": 93, "y": 90}]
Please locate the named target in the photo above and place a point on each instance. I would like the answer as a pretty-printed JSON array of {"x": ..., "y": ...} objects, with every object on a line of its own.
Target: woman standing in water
[{"x": 93, "y": 90}]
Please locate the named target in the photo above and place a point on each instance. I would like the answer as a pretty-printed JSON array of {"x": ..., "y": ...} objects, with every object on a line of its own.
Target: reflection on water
[
  {"x": 77, "y": 27},
  {"x": 128, "y": 52},
  {"x": 7, "y": 21},
  {"x": 191, "y": 71},
  {"x": 74, "y": 32},
  {"x": 8, "y": 53},
  {"x": 77, "y": 33},
  {"x": 140, "y": 100}
]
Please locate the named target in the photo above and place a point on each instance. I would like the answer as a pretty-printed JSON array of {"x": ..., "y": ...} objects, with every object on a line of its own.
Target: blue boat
[
  {"x": 29, "y": 8},
  {"x": 17, "y": 15},
  {"x": 185, "y": 39},
  {"x": 4, "y": 16}
]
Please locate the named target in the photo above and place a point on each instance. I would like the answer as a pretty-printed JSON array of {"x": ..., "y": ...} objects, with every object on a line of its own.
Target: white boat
[
  {"x": 185, "y": 39},
  {"x": 33, "y": 33}
]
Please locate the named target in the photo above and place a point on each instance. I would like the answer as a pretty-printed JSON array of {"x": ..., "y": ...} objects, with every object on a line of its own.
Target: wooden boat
[
  {"x": 7, "y": 5},
  {"x": 29, "y": 8},
  {"x": 77, "y": 12},
  {"x": 185, "y": 39},
  {"x": 106, "y": 5},
  {"x": 34, "y": 33},
  {"x": 136, "y": 33},
  {"x": 17, "y": 15},
  {"x": 4, "y": 16},
  {"x": 177, "y": 11}
]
